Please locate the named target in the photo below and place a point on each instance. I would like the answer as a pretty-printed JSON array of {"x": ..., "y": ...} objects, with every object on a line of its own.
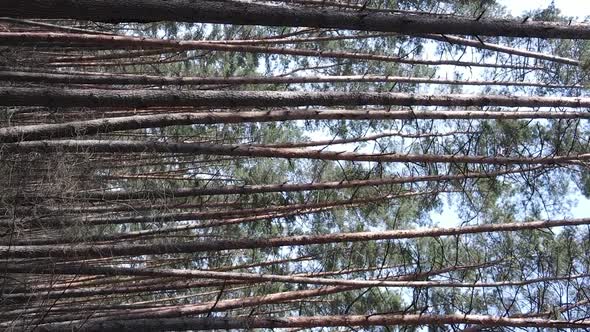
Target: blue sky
[{"x": 576, "y": 8}]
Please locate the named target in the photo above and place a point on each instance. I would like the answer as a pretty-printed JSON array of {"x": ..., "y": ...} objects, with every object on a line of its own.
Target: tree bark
[
  {"x": 145, "y": 98},
  {"x": 217, "y": 306},
  {"x": 503, "y": 49},
  {"x": 252, "y": 277},
  {"x": 108, "y": 125},
  {"x": 284, "y": 187},
  {"x": 109, "y": 146},
  {"x": 80, "y": 40},
  {"x": 96, "y": 251},
  {"x": 53, "y": 27},
  {"x": 76, "y": 292},
  {"x": 260, "y": 14},
  {"x": 89, "y": 220},
  {"x": 130, "y": 79},
  {"x": 209, "y": 323}
]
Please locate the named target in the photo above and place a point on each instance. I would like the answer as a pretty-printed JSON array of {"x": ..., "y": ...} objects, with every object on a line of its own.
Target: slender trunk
[
  {"x": 107, "y": 125},
  {"x": 216, "y": 306},
  {"x": 53, "y": 26},
  {"x": 86, "y": 220},
  {"x": 81, "y": 40},
  {"x": 76, "y": 292},
  {"x": 503, "y": 49},
  {"x": 131, "y": 79},
  {"x": 367, "y": 138},
  {"x": 251, "y": 277},
  {"x": 98, "y": 146},
  {"x": 227, "y": 323},
  {"x": 285, "y": 187},
  {"x": 94, "y": 251},
  {"x": 160, "y": 232},
  {"x": 122, "y": 55}
]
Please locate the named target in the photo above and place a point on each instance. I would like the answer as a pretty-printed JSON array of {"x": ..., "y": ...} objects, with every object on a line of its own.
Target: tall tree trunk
[
  {"x": 89, "y": 220},
  {"x": 95, "y": 251},
  {"x": 252, "y": 277},
  {"x": 209, "y": 323},
  {"x": 285, "y": 187},
  {"x": 124, "y": 79},
  {"x": 107, "y": 125},
  {"x": 107, "y": 146},
  {"x": 170, "y": 98},
  {"x": 39, "y": 39},
  {"x": 259, "y": 14}
]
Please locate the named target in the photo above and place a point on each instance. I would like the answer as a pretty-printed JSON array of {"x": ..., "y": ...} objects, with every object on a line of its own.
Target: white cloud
[{"x": 576, "y": 8}]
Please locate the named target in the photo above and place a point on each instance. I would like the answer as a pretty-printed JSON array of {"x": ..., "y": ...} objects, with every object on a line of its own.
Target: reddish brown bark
[
  {"x": 172, "y": 98},
  {"x": 319, "y": 321},
  {"x": 260, "y": 14},
  {"x": 103, "y": 146},
  {"x": 121, "y": 79},
  {"x": 107, "y": 125},
  {"x": 93, "y": 251},
  {"x": 80, "y": 40}
]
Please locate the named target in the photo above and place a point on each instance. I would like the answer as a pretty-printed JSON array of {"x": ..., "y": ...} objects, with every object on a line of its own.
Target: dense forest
[{"x": 378, "y": 165}]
